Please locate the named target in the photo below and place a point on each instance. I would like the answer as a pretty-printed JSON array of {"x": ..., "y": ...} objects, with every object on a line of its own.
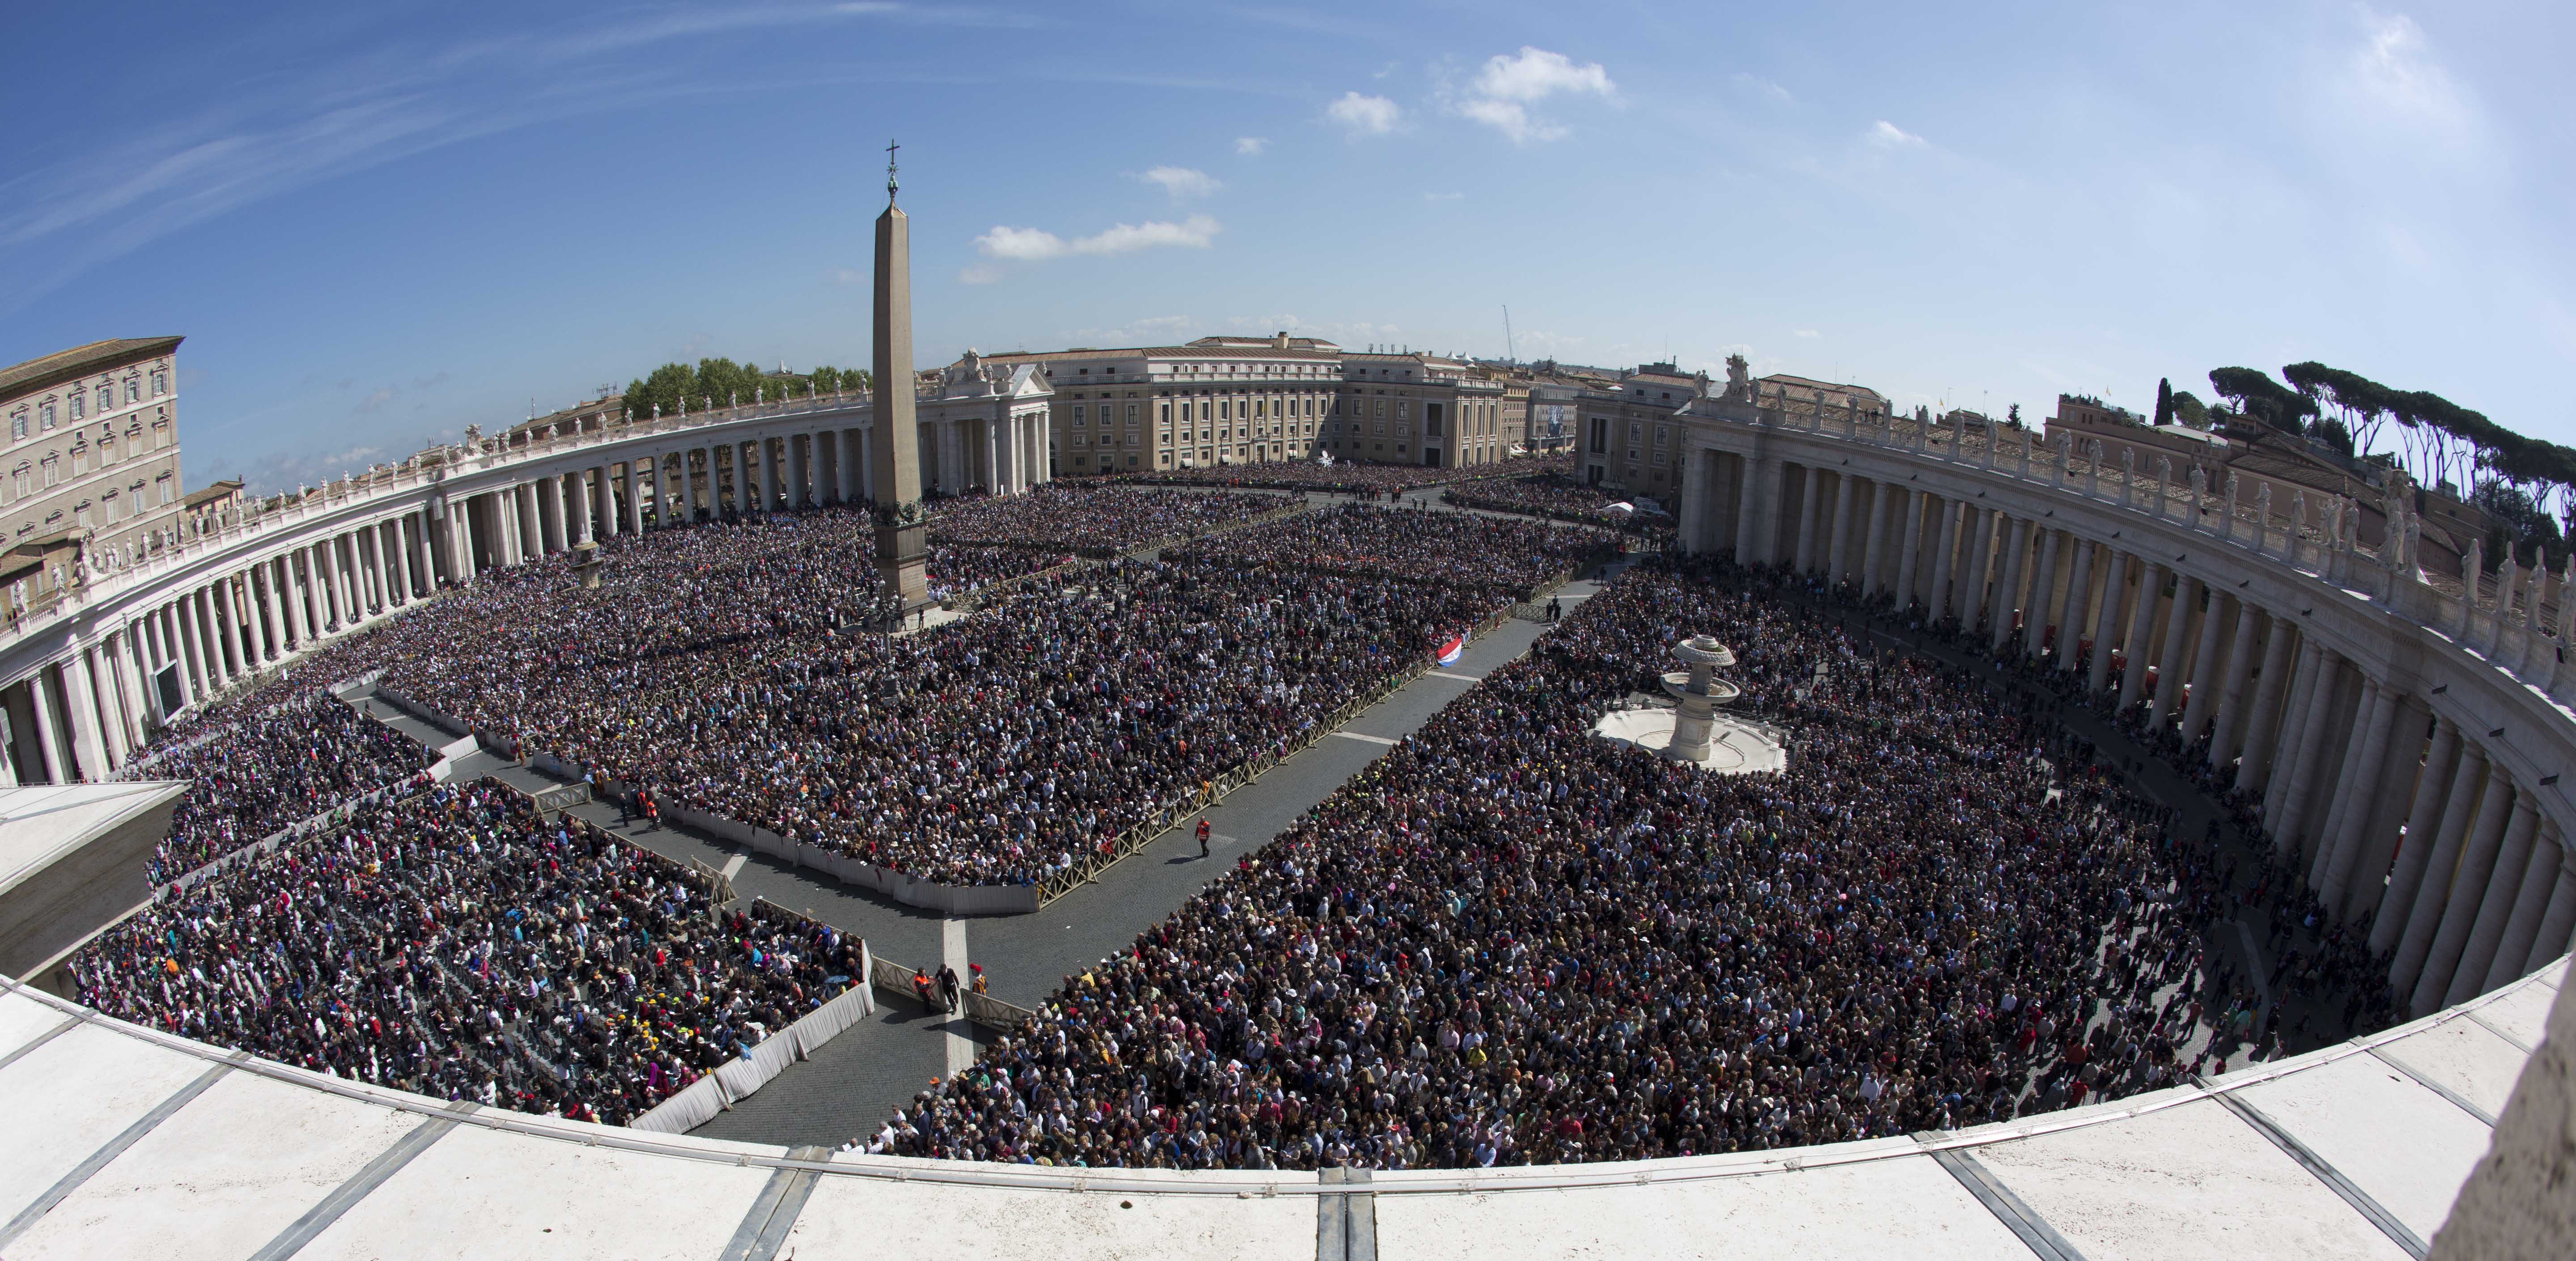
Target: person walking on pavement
[
  {"x": 1555, "y": 608},
  {"x": 1203, "y": 838},
  {"x": 948, "y": 986}
]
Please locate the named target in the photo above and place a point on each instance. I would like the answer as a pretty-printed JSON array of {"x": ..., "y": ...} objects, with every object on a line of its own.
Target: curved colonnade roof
[{"x": 125, "y": 1142}]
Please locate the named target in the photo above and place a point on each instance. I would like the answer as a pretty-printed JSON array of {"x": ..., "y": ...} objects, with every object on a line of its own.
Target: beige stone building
[
  {"x": 1252, "y": 400},
  {"x": 1625, "y": 433},
  {"x": 93, "y": 453}
]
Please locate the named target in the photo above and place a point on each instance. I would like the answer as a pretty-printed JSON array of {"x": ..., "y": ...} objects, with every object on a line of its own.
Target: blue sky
[{"x": 379, "y": 223}]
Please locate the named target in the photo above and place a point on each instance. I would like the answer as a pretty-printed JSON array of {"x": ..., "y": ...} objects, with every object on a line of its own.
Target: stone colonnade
[{"x": 84, "y": 712}]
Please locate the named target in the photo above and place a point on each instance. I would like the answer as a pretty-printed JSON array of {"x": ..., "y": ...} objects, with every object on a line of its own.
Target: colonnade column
[
  {"x": 1909, "y": 545},
  {"x": 2535, "y": 884},
  {"x": 1748, "y": 485},
  {"x": 1810, "y": 492},
  {"x": 2315, "y": 746},
  {"x": 579, "y": 514},
  {"x": 2140, "y": 640},
  {"x": 225, "y": 617},
  {"x": 193, "y": 642},
  {"x": 1978, "y": 531},
  {"x": 2071, "y": 626},
  {"x": 2433, "y": 789},
  {"x": 634, "y": 510},
  {"x": 2496, "y": 895},
  {"x": 1872, "y": 543},
  {"x": 2007, "y": 597},
  {"x": 2341, "y": 849},
  {"x": 1945, "y": 542},
  {"x": 89, "y": 749},
  {"x": 2558, "y": 922},
  {"x": 2043, "y": 593},
  {"x": 2169, "y": 661},
  {"x": 2455, "y": 911},
  {"x": 2202, "y": 699},
  {"x": 1838, "y": 536},
  {"x": 2106, "y": 619},
  {"x": 2257, "y": 743}
]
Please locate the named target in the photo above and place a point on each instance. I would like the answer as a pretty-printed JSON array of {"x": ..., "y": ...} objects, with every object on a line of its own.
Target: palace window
[
  {"x": 45, "y": 417},
  {"x": 160, "y": 382},
  {"x": 18, "y": 423},
  {"x": 133, "y": 389}
]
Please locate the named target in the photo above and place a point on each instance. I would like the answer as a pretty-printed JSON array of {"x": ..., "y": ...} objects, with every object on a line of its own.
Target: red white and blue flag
[{"x": 1451, "y": 651}]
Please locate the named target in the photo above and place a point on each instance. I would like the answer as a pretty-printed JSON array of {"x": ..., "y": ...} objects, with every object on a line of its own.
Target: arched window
[{"x": 18, "y": 423}]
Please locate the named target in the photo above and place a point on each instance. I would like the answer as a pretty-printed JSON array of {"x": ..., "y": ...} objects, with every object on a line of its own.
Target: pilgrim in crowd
[
  {"x": 453, "y": 943},
  {"x": 1511, "y": 941}
]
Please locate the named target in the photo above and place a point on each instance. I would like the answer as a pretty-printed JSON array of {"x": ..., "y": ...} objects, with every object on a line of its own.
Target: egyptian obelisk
[{"x": 896, "y": 455}]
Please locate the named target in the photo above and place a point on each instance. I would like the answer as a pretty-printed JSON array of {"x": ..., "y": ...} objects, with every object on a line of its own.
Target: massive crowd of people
[
  {"x": 1561, "y": 497},
  {"x": 999, "y": 751},
  {"x": 1503, "y": 560},
  {"x": 1347, "y": 476},
  {"x": 1511, "y": 941},
  {"x": 262, "y": 767},
  {"x": 1094, "y": 520},
  {"x": 734, "y": 668},
  {"x": 452, "y": 943},
  {"x": 2340, "y": 984}
]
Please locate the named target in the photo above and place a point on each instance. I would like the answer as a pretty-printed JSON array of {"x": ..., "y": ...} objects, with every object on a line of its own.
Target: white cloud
[
  {"x": 1762, "y": 87},
  {"x": 1509, "y": 118},
  {"x": 1365, "y": 115},
  {"x": 1887, "y": 135},
  {"x": 1502, "y": 92},
  {"x": 1537, "y": 74},
  {"x": 1181, "y": 181},
  {"x": 1031, "y": 245},
  {"x": 2394, "y": 66},
  {"x": 1250, "y": 146}
]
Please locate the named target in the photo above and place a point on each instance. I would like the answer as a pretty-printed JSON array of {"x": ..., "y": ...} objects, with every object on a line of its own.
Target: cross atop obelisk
[{"x": 895, "y": 437}]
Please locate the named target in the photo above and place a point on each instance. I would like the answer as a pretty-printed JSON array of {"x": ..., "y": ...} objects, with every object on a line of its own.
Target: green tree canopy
[{"x": 2263, "y": 398}]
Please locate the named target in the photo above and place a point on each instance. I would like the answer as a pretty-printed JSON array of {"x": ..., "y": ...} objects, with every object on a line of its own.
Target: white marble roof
[{"x": 125, "y": 1142}]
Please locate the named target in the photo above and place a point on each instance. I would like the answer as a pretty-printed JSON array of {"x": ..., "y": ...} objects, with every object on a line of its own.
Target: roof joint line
[
  {"x": 113, "y": 1148},
  {"x": 2017, "y": 1216},
  {"x": 2438, "y": 1088},
  {"x": 2325, "y": 1171},
  {"x": 40, "y": 1039},
  {"x": 2490, "y": 1026},
  {"x": 359, "y": 1186},
  {"x": 782, "y": 1199},
  {"x": 1345, "y": 1216}
]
